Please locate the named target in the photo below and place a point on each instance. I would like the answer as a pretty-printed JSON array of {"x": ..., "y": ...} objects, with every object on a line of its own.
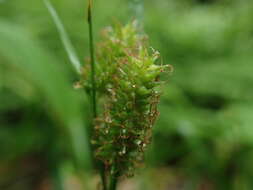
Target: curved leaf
[{"x": 64, "y": 37}]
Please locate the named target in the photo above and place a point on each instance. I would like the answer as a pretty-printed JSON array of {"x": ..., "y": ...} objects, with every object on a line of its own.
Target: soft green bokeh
[{"x": 204, "y": 135}]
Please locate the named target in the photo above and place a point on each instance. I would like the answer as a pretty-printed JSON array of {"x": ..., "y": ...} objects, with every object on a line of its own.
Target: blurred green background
[{"x": 203, "y": 139}]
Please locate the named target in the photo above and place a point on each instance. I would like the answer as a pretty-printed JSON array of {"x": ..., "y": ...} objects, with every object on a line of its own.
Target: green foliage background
[{"x": 204, "y": 134}]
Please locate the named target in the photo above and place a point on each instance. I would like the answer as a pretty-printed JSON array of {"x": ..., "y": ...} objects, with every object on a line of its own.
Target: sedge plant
[
  {"x": 124, "y": 83},
  {"x": 128, "y": 86}
]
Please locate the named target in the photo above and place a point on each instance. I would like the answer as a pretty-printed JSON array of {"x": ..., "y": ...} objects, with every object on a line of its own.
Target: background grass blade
[
  {"x": 48, "y": 77},
  {"x": 64, "y": 37}
]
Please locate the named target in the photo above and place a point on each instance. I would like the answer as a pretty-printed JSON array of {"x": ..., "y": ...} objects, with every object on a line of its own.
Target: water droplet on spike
[
  {"x": 124, "y": 150},
  {"x": 138, "y": 142}
]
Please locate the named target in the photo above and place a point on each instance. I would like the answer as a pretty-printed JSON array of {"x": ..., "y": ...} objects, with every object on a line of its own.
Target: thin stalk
[
  {"x": 113, "y": 182},
  {"x": 103, "y": 176},
  {"x": 93, "y": 94},
  {"x": 92, "y": 61},
  {"x": 57, "y": 180}
]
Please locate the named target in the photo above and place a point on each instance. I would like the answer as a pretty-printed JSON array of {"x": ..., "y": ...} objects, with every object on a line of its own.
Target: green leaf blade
[{"x": 69, "y": 48}]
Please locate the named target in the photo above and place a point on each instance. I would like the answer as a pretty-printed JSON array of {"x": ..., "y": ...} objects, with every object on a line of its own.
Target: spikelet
[{"x": 128, "y": 81}]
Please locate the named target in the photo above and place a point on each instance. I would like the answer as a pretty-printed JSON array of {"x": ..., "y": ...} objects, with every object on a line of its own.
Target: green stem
[
  {"x": 93, "y": 94},
  {"x": 57, "y": 180},
  {"x": 103, "y": 176},
  {"x": 92, "y": 61},
  {"x": 113, "y": 180}
]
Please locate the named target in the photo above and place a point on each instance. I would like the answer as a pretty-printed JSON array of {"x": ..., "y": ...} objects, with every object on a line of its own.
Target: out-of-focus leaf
[{"x": 46, "y": 75}]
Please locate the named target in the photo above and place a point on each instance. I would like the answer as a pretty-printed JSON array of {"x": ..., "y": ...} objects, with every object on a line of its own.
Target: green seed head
[{"x": 127, "y": 82}]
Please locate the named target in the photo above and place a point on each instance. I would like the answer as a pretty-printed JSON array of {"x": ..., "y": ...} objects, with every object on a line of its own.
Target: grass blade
[{"x": 64, "y": 37}]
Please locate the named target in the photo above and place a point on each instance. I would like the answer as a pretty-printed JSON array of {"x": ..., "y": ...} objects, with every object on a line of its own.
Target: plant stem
[
  {"x": 93, "y": 94},
  {"x": 92, "y": 61},
  {"x": 57, "y": 180},
  {"x": 103, "y": 176},
  {"x": 113, "y": 180}
]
